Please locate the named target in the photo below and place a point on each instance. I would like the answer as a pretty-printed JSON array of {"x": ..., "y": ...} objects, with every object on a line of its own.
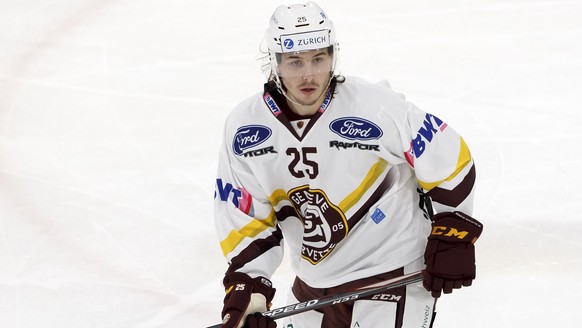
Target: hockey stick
[{"x": 370, "y": 290}]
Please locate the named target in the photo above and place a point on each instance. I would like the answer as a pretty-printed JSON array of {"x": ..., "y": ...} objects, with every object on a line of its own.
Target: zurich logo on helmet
[
  {"x": 249, "y": 136},
  {"x": 355, "y": 128},
  {"x": 288, "y": 43}
]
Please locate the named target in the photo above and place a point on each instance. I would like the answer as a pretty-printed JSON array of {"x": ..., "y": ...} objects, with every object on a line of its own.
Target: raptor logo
[{"x": 324, "y": 224}]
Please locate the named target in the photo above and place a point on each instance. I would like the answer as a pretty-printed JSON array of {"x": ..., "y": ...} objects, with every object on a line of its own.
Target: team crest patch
[{"x": 324, "y": 224}]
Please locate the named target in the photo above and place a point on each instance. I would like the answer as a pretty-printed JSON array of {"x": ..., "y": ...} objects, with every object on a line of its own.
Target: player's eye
[{"x": 296, "y": 63}]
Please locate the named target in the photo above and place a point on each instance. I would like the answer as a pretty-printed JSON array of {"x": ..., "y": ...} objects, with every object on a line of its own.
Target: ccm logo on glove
[
  {"x": 448, "y": 232},
  {"x": 460, "y": 220}
]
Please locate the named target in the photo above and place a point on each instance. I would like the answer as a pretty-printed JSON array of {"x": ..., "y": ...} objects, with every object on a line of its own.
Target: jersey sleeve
[
  {"x": 245, "y": 221},
  {"x": 441, "y": 160}
]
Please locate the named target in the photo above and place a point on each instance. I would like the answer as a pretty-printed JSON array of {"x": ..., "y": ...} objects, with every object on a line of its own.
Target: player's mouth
[{"x": 308, "y": 90}]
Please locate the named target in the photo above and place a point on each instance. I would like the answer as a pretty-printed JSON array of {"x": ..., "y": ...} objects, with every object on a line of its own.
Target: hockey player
[{"x": 361, "y": 184}]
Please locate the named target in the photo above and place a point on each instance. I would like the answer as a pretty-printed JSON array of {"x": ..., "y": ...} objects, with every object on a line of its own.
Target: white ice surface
[{"x": 111, "y": 114}]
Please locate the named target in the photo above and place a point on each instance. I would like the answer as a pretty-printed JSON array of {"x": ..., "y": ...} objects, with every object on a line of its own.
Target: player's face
[{"x": 306, "y": 75}]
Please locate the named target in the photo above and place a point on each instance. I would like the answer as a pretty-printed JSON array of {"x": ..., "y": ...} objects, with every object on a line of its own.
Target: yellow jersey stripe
[
  {"x": 278, "y": 196},
  {"x": 355, "y": 196},
  {"x": 462, "y": 161},
  {"x": 251, "y": 230}
]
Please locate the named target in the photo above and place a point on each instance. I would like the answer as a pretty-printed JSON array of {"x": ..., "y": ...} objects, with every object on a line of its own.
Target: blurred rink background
[{"x": 111, "y": 115}]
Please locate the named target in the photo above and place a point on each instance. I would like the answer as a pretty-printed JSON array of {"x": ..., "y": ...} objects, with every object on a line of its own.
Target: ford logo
[
  {"x": 355, "y": 128},
  {"x": 249, "y": 136}
]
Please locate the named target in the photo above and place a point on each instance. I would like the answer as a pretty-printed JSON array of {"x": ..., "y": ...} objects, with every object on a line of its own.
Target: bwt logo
[
  {"x": 431, "y": 126},
  {"x": 249, "y": 136},
  {"x": 239, "y": 197},
  {"x": 272, "y": 104},
  {"x": 355, "y": 128}
]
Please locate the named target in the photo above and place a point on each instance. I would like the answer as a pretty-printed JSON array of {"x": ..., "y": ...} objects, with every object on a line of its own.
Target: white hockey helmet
[{"x": 299, "y": 28}]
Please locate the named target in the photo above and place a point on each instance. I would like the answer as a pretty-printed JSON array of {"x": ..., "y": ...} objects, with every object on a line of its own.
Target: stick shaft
[{"x": 314, "y": 304}]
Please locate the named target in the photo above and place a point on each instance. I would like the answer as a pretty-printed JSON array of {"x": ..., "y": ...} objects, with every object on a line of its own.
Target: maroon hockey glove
[
  {"x": 450, "y": 253},
  {"x": 259, "y": 321},
  {"x": 244, "y": 296}
]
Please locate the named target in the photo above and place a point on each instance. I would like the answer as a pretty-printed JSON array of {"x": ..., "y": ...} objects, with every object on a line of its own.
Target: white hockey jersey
[{"x": 350, "y": 190}]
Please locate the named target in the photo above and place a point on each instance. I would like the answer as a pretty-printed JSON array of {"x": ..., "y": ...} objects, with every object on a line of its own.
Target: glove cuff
[{"x": 260, "y": 285}]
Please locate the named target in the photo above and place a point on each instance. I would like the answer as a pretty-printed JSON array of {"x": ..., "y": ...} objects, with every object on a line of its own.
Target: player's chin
[{"x": 309, "y": 101}]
